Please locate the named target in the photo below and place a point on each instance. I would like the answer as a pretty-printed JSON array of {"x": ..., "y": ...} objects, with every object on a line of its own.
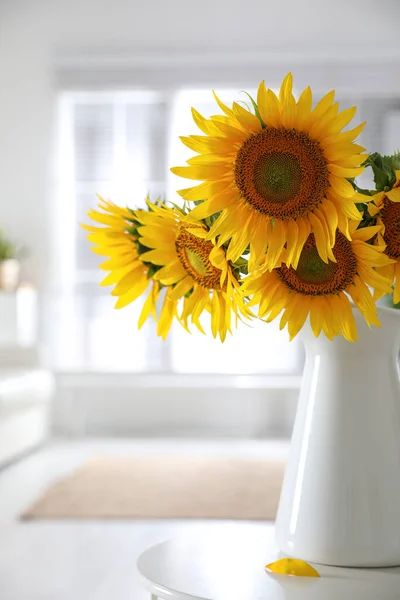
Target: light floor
[{"x": 90, "y": 560}]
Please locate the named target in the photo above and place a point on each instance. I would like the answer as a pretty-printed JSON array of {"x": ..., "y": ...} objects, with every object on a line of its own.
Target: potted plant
[{"x": 9, "y": 264}]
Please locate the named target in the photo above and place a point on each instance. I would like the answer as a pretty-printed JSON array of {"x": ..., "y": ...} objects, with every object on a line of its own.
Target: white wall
[{"x": 350, "y": 45}]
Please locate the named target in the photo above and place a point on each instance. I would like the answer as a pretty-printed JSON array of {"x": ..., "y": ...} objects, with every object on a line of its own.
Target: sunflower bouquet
[{"x": 277, "y": 226}]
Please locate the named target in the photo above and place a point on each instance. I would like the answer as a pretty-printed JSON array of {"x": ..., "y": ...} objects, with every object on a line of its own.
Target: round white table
[{"x": 230, "y": 566}]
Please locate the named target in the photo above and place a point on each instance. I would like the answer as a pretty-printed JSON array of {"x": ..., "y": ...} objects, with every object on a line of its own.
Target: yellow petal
[
  {"x": 239, "y": 242},
  {"x": 268, "y": 105},
  {"x": 170, "y": 274},
  {"x": 316, "y": 316},
  {"x": 168, "y": 312},
  {"x": 131, "y": 280},
  {"x": 304, "y": 106},
  {"x": 331, "y": 218},
  {"x": 317, "y": 131},
  {"x": 182, "y": 288},
  {"x": 117, "y": 262},
  {"x": 159, "y": 257},
  {"x": 345, "y": 172},
  {"x": 343, "y": 224},
  {"x": 292, "y": 234},
  {"x": 133, "y": 293},
  {"x": 321, "y": 238},
  {"x": 342, "y": 119},
  {"x": 350, "y": 209},
  {"x": 293, "y": 566},
  {"x": 208, "y": 159},
  {"x": 338, "y": 153},
  {"x": 216, "y": 145},
  {"x": 215, "y": 315},
  {"x": 394, "y": 194},
  {"x": 366, "y": 233},
  {"x": 231, "y": 132},
  {"x": 344, "y": 136},
  {"x": 286, "y": 88},
  {"x": 372, "y": 209},
  {"x": 278, "y": 304},
  {"x": 213, "y": 205},
  {"x": 350, "y": 161},
  {"x": 304, "y": 230},
  {"x": 347, "y": 322},
  {"x": 228, "y": 111},
  {"x": 330, "y": 235},
  {"x": 362, "y": 298},
  {"x": 301, "y": 308},
  {"x": 287, "y": 102},
  {"x": 396, "y": 295},
  {"x": 276, "y": 242},
  {"x": 323, "y": 106},
  {"x": 341, "y": 186},
  {"x": 117, "y": 274},
  {"x": 249, "y": 121},
  {"x": 258, "y": 243},
  {"x": 148, "y": 307},
  {"x": 206, "y": 126},
  {"x": 202, "y": 172},
  {"x": 205, "y": 190}
]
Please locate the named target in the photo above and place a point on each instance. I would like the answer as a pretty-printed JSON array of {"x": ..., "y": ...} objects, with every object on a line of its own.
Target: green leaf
[
  {"x": 380, "y": 177},
  {"x": 132, "y": 230}
]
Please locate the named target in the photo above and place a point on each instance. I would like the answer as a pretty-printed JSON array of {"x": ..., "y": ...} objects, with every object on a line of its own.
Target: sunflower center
[
  {"x": 277, "y": 176},
  {"x": 281, "y": 173},
  {"x": 196, "y": 262},
  {"x": 391, "y": 220},
  {"x": 194, "y": 254},
  {"x": 314, "y": 277}
]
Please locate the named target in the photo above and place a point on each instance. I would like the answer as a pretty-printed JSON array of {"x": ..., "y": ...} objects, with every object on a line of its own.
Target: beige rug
[{"x": 165, "y": 488}]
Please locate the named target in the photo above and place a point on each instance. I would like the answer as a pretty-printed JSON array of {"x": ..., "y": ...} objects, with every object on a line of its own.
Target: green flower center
[
  {"x": 312, "y": 269},
  {"x": 277, "y": 176},
  {"x": 196, "y": 262},
  {"x": 313, "y": 277},
  {"x": 194, "y": 254}
]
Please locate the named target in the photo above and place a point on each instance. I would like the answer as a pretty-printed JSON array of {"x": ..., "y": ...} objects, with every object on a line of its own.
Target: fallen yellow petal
[{"x": 292, "y": 566}]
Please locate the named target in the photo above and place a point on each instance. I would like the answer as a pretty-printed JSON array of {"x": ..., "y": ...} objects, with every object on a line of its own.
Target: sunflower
[
  {"x": 275, "y": 176},
  {"x": 322, "y": 290},
  {"x": 115, "y": 238},
  {"x": 386, "y": 207},
  {"x": 195, "y": 270}
]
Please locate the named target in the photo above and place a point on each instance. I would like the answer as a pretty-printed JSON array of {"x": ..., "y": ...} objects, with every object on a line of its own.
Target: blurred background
[{"x": 93, "y": 97}]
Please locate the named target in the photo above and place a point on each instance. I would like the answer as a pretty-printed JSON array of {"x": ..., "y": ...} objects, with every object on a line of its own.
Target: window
[{"x": 121, "y": 145}]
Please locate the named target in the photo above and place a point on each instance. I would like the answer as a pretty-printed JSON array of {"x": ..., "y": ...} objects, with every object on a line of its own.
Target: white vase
[{"x": 340, "y": 501}]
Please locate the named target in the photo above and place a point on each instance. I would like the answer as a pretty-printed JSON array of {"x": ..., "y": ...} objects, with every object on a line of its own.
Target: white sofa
[
  {"x": 26, "y": 390},
  {"x": 25, "y": 410}
]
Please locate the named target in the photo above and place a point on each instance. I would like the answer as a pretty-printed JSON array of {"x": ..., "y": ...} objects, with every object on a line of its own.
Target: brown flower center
[
  {"x": 391, "y": 220},
  {"x": 314, "y": 277},
  {"x": 281, "y": 173},
  {"x": 194, "y": 253}
]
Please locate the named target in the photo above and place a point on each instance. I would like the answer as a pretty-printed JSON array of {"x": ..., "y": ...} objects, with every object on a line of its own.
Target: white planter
[
  {"x": 340, "y": 502},
  {"x": 18, "y": 322},
  {"x": 9, "y": 274}
]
